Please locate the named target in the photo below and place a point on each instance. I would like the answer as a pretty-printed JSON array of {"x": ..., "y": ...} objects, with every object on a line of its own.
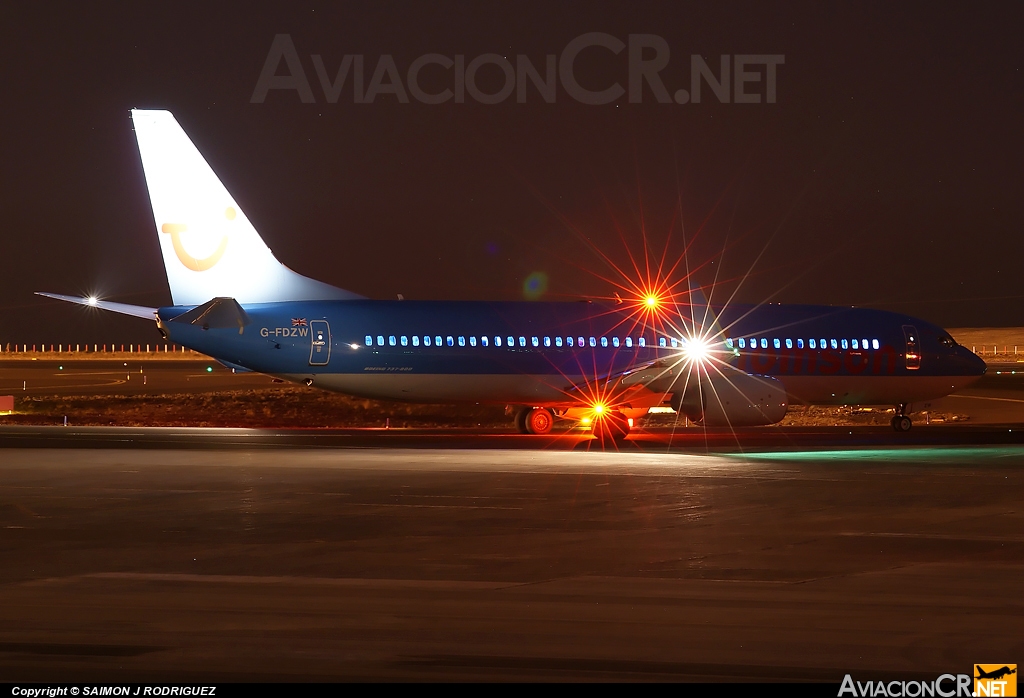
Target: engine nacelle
[{"x": 735, "y": 399}]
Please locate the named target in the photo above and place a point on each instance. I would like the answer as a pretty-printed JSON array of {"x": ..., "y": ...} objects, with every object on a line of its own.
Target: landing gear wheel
[
  {"x": 521, "y": 416},
  {"x": 902, "y": 423},
  {"x": 539, "y": 420},
  {"x": 611, "y": 427}
]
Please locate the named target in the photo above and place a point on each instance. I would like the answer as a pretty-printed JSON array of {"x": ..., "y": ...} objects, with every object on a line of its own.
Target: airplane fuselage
[{"x": 546, "y": 354}]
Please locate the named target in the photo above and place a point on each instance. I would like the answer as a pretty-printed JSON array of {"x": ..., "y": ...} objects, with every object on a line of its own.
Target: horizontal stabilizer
[
  {"x": 219, "y": 313},
  {"x": 123, "y": 308}
]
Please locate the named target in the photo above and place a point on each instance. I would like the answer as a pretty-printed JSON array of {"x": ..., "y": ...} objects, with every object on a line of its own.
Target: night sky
[{"x": 887, "y": 174}]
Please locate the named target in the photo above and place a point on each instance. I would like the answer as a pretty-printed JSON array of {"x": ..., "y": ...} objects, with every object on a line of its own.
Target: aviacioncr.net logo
[
  {"x": 945, "y": 686},
  {"x": 995, "y": 680},
  {"x": 197, "y": 263}
]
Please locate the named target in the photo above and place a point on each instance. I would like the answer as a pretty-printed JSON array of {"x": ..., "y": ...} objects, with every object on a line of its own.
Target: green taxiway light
[
  {"x": 889, "y": 454},
  {"x": 209, "y": 369}
]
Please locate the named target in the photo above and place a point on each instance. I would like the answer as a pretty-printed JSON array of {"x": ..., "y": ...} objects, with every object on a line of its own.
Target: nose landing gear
[
  {"x": 611, "y": 427},
  {"x": 901, "y": 422}
]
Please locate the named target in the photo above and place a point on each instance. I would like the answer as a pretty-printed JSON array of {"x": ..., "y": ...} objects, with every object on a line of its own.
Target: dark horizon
[{"x": 885, "y": 175}]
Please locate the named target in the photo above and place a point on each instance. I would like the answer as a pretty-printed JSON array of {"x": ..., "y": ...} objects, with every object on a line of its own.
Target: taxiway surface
[{"x": 236, "y": 561}]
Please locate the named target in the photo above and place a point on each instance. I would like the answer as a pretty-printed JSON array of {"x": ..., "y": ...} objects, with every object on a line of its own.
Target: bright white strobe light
[{"x": 696, "y": 350}]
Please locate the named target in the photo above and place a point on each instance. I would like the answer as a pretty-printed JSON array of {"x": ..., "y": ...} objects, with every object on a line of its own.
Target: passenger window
[
  {"x": 558, "y": 341},
  {"x": 581, "y": 342},
  {"x": 568, "y": 341},
  {"x": 449, "y": 341},
  {"x": 764, "y": 343},
  {"x": 547, "y": 341},
  {"x": 864, "y": 343},
  {"x": 844, "y": 344},
  {"x": 369, "y": 340},
  {"x": 642, "y": 342},
  {"x": 823, "y": 344},
  {"x": 615, "y": 341},
  {"x": 415, "y": 340},
  {"x": 743, "y": 343},
  {"x": 675, "y": 343},
  {"x": 497, "y": 341},
  {"x": 380, "y": 340},
  {"x": 789, "y": 343},
  {"x": 874, "y": 343},
  {"x": 405, "y": 341},
  {"x": 462, "y": 341},
  {"x": 437, "y": 340},
  {"x": 800, "y": 343},
  {"x": 835, "y": 344},
  {"x": 814, "y": 343},
  {"x": 472, "y": 341},
  {"x": 522, "y": 341},
  {"x": 854, "y": 344},
  {"x": 662, "y": 342},
  {"x": 593, "y": 342},
  {"x": 534, "y": 341},
  {"x": 777, "y": 344},
  {"x": 391, "y": 340},
  {"x": 510, "y": 341},
  {"x": 483, "y": 341},
  {"x": 604, "y": 341},
  {"x": 426, "y": 340},
  {"x": 629, "y": 342}
]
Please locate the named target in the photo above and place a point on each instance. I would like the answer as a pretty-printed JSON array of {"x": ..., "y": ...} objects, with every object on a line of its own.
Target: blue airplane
[{"x": 601, "y": 363}]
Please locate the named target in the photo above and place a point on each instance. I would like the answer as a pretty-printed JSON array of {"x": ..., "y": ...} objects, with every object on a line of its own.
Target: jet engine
[{"x": 733, "y": 399}]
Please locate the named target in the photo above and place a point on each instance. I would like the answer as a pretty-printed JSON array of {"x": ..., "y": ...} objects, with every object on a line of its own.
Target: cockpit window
[{"x": 946, "y": 341}]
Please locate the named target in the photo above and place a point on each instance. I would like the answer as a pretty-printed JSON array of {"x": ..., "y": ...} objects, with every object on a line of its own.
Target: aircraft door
[
  {"x": 913, "y": 347},
  {"x": 320, "y": 349}
]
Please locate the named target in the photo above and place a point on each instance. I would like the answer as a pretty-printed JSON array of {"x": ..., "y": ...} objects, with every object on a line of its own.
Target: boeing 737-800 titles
[{"x": 608, "y": 362}]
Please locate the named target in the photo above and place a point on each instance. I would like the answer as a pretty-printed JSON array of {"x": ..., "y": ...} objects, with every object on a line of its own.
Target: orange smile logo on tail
[{"x": 195, "y": 263}]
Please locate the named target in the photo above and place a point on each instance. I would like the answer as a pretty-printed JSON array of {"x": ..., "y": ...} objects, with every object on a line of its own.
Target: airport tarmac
[
  {"x": 246, "y": 558},
  {"x": 780, "y": 553}
]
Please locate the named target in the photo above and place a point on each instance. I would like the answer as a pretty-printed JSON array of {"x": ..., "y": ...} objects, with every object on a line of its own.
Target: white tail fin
[{"x": 210, "y": 248}]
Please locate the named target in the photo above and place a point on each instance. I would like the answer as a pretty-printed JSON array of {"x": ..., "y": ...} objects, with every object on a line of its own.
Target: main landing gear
[
  {"x": 901, "y": 422},
  {"x": 608, "y": 427},
  {"x": 535, "y": 420}
]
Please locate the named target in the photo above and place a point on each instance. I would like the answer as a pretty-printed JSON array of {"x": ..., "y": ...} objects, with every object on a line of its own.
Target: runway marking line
[
  {"x": 982, "y": 397},
  {"x": 936, "y": 536},
  {"x": 258, "y": 579},
  {"x": 428, "y": 506}
]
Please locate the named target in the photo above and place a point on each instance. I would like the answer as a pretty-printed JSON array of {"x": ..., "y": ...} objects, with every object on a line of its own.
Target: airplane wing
[{"x": 122, "y": 308}]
